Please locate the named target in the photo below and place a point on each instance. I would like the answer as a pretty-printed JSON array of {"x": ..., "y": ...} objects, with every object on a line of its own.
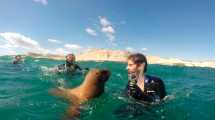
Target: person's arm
[
  {"x": 133, "y": 89},
  {"x": 14, "y": 62},
  {"x": 60, "y": 68},
  {"x": 160, "y": 88},
  {"x": 83, "y": 71},
  {"x": 78, "y": 67}
]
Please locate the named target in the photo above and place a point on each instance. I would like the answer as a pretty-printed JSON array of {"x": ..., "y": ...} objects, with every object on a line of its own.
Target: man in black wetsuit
[
  {"x": 140, "y": 86},
  {"x": 18, "y": 59},
  {"x": 70, "y": 66}
]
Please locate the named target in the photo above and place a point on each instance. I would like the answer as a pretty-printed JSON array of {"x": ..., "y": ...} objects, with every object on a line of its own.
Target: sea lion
[{"x": 92, "y": 86}]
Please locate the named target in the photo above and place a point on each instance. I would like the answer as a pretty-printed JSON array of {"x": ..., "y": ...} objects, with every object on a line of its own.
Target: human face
[
  {"x": 132, "y": 67},
  {"x": 18, "y": 58},
  {"x": 70, "y": 58}
]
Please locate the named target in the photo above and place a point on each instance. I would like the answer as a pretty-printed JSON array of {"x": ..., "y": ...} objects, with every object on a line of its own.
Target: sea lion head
[
  {"x": 97, "y": 76},
  {"x": 104, "y": 75}
]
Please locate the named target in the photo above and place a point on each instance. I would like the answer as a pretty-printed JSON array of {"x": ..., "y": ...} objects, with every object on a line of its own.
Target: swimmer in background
[
  {"x": 18, "y": 59},
  {"x": 70, "y": 66}
]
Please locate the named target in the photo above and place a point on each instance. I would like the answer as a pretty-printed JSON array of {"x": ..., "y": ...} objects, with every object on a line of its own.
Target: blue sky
[{"x": 168, "y": 28}]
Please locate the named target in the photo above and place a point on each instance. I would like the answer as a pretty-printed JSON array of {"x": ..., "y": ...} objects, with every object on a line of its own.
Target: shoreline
[{"x": 102, "y": 55}]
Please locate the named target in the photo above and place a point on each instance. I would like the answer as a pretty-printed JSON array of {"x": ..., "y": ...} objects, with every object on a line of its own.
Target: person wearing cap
[{"x": 141, "y": 86}]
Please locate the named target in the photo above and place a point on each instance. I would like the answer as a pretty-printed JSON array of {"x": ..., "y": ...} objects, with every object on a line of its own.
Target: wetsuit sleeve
[
  {"x": 160, "y": 88},
  {"x": 61, "y": 67},
  {"x": 15, "y": 62},
  {"x": 78, "y": 67}
]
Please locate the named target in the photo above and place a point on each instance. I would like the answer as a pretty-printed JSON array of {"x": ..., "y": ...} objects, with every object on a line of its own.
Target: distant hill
[{"x": 121, "y": 56}]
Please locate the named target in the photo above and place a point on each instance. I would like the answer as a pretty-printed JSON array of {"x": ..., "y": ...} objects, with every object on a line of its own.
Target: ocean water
[{"x": 24, "y": 93}]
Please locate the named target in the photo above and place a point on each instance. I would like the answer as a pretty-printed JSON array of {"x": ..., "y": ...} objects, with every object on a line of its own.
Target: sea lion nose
[{"x": 106, "y": 72}]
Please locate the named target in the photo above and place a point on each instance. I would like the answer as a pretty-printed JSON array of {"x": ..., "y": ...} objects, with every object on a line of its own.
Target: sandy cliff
[{"x": 121, "y": 56}]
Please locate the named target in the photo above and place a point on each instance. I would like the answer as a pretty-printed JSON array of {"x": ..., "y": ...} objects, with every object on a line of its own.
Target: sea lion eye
[{"x": 97, "y": 72}]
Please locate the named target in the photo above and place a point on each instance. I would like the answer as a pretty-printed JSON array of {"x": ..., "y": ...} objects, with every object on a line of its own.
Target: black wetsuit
[
  {"x": 68, "y": 67},
  {"x": 154, "y": 89},
  {"x": 16, "y": 61}
]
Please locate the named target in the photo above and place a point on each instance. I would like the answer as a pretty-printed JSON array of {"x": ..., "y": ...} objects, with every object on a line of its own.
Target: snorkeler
[
  {"x": 18, "y": 59},
  {"x": 140, "y": 86},
  {"x": 70, "y": 66}
]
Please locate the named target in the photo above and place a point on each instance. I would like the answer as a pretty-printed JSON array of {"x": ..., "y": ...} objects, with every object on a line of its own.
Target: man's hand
[{"x": 132, "y": 84}]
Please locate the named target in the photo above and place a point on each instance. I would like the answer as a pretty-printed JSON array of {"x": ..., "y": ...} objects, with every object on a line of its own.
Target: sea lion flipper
[
  {"x": 64, "y": 93},
  {"x": 74, "y": 111},
  {"x": 60, "y": 92}
]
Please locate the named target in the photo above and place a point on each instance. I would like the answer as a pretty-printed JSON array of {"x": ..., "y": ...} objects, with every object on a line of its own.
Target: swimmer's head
[
  {"x": 70, "y": 58},
  {"x": 136, "y": 63},
  {"x": 18, "y": 57}
]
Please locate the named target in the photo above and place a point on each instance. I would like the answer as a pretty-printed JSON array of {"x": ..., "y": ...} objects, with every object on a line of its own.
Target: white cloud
[
  {"x": 20, "y": 43},
  {"x": 18, "y": 40},
  {"x": 7, "y": 51},
  {"x": 130, "y": 49},
  {"x": 144, "y": 49},
  {"x": 107, "y": 28},
  {"x": 54, "y": 41},
  {"x": 43, "y": 2},
  {"x": 16, "y": 43},
  {"x": 61, "y": 51},
  {"x": 68, "y": 48},
  {"x": 111, "y": 37},
  {"x": 72, "y": 46},
  {"x": 104, "y": 21},
  {"x": 11, "y": 52},
  {"x": 91, "y": 31},
  {"x": 6, "y": 46},
  {"x": 42, "y": 50}
]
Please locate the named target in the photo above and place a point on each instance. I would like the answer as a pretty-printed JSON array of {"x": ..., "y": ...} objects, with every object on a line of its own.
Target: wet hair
[
  {"x": 73, "y": 56},
  {"x": 18, "y": 56},
  {"x": 139, "y": 58},
  {"x": 70, "y": 55}
]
